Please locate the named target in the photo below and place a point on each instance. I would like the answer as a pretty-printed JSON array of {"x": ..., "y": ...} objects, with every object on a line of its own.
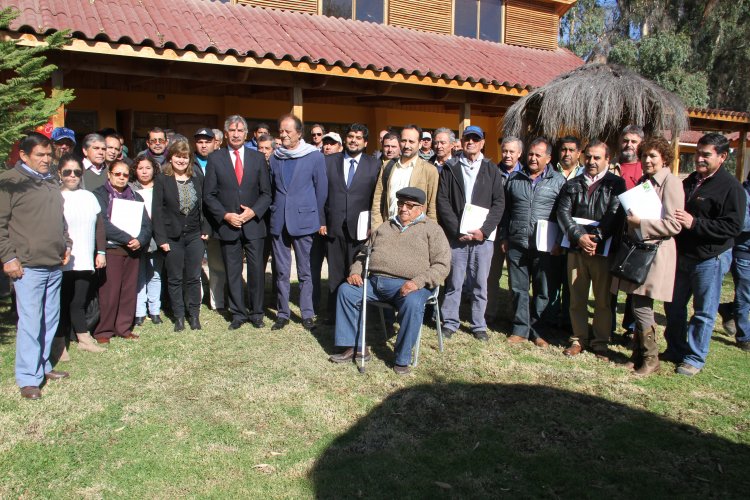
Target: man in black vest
[{"x": 351, "y": 184}]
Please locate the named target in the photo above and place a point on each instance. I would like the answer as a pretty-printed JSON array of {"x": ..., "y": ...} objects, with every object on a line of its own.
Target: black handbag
[{"x": 634, "y": 258}]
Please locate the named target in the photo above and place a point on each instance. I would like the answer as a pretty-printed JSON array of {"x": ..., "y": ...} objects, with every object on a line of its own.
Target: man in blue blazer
[
  {"x": 300, "y": 189},
  {"x": 351, "y": 184},
  {"x": 236, "y": 195}
]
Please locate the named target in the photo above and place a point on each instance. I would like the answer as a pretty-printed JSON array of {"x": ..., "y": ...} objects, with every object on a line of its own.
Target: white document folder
[
  {"x": 473, "y": 218},
  {"x": 127, "y": 215}
]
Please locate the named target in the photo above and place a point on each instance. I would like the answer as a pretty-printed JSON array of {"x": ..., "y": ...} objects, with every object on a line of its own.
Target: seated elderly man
[{"x": 410, "y": 257}]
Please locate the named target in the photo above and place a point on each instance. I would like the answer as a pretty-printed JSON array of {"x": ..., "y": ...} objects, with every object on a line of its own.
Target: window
[
  {"x": 361, "y": 10},
  {"x": 478, "y": 19}
]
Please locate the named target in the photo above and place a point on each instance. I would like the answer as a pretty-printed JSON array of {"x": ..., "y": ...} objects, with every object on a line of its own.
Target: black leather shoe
[
  {"x": 235, "y": 324},
  {"x": 139, "y": 320},
  {"x": 481, "y": 336},
  {"x": 179, "y": 324},
  {"x": 448, "y": 333},
  {"x": 194, "y": 323},
  {"x": 56, "y": 375},
  {"x": 279, "y": 323},
  {"x": 308, "y": 324},
  {"x": 258, "y": 323},
  {"x": 155, "y": 319}
]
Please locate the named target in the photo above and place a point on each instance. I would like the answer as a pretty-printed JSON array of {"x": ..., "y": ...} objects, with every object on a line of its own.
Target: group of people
[{"x": 109, "y": 227}]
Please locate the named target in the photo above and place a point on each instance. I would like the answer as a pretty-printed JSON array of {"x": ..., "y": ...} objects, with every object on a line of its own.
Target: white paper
[
  {"x": 643, "y": 201},
  {"x": 546, "y": 235},
  {"x": 127, "y": 216},
  {"x": 587, "y": 222},
  {"x": 363, "y": 225},
  {"x": 473, "y": 218}
]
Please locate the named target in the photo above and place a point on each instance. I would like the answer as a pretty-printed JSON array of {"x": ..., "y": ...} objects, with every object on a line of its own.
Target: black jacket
[
  {"x": 116, "y": 237},
  {"x": 602, "y": 206},
  {"x": 718, "y": 207},
  {"x": 525, "y": 206},
  {"x": 168, "y": 220},
  {"x": 451, "y": 197},
  {"x": 344, "y": 205}
]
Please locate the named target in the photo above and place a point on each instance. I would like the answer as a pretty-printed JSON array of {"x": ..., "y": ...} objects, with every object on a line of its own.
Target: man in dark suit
[
  {"x": 236, "y": 194},
  {"x": 300, "y": 188},
  {"x": 351, "y": 184}
]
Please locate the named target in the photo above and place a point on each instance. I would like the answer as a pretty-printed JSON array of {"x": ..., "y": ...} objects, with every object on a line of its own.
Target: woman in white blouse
[{"x": 86, "y": 230}]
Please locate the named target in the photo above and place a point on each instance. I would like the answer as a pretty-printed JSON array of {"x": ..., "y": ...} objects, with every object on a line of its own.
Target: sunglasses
[
  {"x": 70, "y": 171},
  {"x": 119, "y": 174},
  {"x": 315, "y": 134},
  {"x": 157, "y": 141}
]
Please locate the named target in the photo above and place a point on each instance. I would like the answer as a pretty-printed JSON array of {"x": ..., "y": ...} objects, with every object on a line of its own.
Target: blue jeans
[
  {"x": 470, "y": 265},
  {"x": 149, "y": 284},
  {"x": 382, "y": 288},
  {"x": 700, "y": 279},
  {"x": 38, "y": 303},
  {"x": 741, "y": 305}
]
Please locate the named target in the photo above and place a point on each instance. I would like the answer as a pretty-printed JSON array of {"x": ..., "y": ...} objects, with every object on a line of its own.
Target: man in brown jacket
[
  {"x": 408, "y": 171},
  {"x": 34, "y": 244},
  {"x": 410, "y": 256}
]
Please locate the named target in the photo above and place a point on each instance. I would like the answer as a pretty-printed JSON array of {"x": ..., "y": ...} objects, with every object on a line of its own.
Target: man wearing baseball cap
[
  {"x": 469, "y": 181},
  {"x": 332, "y": 144},
  {"x": 63, "y": 141},
  {"x": 425, "y": 147},
  {"x": 409, "y": 257},
  {"x": 204, "y": 146}
]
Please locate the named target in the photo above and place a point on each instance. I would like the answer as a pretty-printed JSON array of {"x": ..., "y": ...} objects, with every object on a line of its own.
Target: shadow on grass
[{"x": 491, "y": 440}]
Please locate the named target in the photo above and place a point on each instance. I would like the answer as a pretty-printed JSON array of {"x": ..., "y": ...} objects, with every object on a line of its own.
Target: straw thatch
[{"x": 595, "y": 101}]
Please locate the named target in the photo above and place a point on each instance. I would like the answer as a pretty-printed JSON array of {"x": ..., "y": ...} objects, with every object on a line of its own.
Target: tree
[
  {"x": 23, "y": 70},
  {"x": 699, "y": 49}
]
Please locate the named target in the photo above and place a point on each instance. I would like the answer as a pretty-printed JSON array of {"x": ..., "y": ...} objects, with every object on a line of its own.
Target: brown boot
[
  {"x": 636, "y": 358},
  {"x": 650, "y": 353},
  {"x": 87, "y": 343},
  {"x": 59, "y": 350}
]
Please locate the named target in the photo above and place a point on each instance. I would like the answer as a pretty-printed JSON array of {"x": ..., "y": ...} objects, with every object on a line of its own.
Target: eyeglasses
[
  {"x": 71, "y": 171},
  {"x": 409, "y": 205},
  {"x": 119, "y": 174},
  {"x": 316, "y": 134},
  {"x": 157, "y": 141}
]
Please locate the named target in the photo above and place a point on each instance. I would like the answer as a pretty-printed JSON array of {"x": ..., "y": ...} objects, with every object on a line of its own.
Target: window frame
[
  {"x": 479, "y": 20},
  {"x": 354, "y": 11}
]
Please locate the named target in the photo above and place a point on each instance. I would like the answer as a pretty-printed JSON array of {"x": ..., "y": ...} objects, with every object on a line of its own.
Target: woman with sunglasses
[
  {"x": 180, "y": 231},
  {"x": 144, "y": 171},
  {"x": 118, "y": 290},
  {"x": 86, "y": 228}
]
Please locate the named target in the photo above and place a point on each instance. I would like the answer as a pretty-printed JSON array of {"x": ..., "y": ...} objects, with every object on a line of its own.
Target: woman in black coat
[{"x": 180, "y": 231}]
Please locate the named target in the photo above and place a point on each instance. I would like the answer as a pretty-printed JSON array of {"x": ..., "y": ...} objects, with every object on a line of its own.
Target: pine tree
[{"x": 23, "y": 70}]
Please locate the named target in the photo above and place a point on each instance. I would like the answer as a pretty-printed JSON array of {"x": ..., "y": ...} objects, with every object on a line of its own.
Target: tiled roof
[
  {"x": 721, "y": 113},
  {"x": 210, "y": 26}
]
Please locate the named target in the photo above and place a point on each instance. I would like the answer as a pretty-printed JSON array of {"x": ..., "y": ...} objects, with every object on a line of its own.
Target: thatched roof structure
[{"x": 595, "y": 101}]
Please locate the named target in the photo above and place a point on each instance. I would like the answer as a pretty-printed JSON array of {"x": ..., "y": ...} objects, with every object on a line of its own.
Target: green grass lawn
[{"x": 261, "y": 414}]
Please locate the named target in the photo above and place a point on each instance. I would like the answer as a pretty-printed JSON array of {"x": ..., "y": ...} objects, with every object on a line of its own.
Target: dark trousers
[
  {"x": 341, "y": 253},
  {"x": 232, "y": 252},
  {"x": 528, "y": 266},
  {"x": 282, "y": 253},
  {"x": 493, "y": 283},
  {"x": 317, "y": 255},
  {"x": 75, "y": 295},
  {"x": 183, "y": 264},
  {"x": 117, "y": 295},
  {"x": 558, "y": 310}
]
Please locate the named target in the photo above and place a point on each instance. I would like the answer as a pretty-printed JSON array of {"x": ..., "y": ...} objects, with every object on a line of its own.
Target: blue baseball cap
[
  {"x": 473, "y": 129},
  {"x": 63, "y": 133}
]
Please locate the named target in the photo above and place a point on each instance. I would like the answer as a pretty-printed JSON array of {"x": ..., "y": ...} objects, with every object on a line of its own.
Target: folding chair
[{"x": 432, "y": 300}]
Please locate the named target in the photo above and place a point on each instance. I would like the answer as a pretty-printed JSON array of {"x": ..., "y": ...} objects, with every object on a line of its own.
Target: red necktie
[{"x": 238, "y": 166}]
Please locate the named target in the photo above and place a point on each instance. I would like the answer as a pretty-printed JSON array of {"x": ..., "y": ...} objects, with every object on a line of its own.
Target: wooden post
[
  {"x": 676, "y": 152},
  {"x": 297, "y": 108},
  {"x": 58, "y": 119},
  {"x": 741, "y": 155},
  {"x": 464, "y": 117}
]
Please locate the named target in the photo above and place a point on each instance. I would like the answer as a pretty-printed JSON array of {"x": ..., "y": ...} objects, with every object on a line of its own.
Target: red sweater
[{"x": 631, "y": 172}]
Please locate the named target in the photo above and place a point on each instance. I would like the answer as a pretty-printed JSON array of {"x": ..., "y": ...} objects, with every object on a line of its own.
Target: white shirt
[
  {"x": 80, "y": 210},
  {"x": 470, "y": 170},
  {"x": 90, "y": 166},
  {"x": 233, "y": 156},
  {"x": 590, "y": 180},
  {"x": 348, "y": 164},
  {"x": 148, "y": 200},
  {"x": 400, "y": 177}
]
